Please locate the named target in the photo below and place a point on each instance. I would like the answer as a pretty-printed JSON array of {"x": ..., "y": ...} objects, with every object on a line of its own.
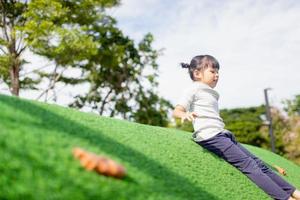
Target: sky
[{"x": 257, "y": 44}]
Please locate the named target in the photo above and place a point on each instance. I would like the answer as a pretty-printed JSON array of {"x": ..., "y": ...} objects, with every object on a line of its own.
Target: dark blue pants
[{"x": 225, "y": 146}]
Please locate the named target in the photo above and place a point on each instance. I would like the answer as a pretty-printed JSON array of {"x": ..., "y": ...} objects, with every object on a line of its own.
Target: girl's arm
[{"x": 180, "y": 112}]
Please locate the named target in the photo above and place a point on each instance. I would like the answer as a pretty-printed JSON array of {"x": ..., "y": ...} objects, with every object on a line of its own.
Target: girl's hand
[
  {"x": 280, "y": 170},
  {"x": 190, "y": 116}
]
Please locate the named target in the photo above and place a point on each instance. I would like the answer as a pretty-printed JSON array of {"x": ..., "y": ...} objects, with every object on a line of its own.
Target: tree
[
  {"x": 12, "y": 46},
  {"x": 58, "y": 30},
  {"x": 78, "y": 34},
  {"x": 58, "y": 35},
  {"x": 123, "y": 80},
  {"x": 280, "y": 128},
  {"x": 292, "y": 136}
]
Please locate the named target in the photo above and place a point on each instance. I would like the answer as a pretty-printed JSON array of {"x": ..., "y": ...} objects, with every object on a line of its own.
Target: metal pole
[{"x": 269, "y": 118}]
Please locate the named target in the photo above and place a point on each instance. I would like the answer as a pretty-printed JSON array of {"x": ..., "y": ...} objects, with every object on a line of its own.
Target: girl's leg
[
  {"x": 276, "y": 178},
  {"x": 223, "y": 146}
]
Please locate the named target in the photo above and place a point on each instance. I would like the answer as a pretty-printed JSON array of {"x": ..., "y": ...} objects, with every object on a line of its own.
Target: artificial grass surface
[{"x": 36, "y": 161}]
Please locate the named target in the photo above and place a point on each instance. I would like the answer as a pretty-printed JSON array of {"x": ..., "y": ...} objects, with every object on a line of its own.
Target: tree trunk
[
  {"x": 14, "y": 61},
  {"x": 14, "y": 76},
  {"x": 15, "y": 65}
]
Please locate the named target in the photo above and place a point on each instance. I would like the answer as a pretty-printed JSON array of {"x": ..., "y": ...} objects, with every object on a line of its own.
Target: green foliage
[
  {"x": 292, "y": 106},
  {"x": 28, "y": 83},
  {"x": 123, "y": 79},
  {"x": 292, "y": 130},
  {"x": 151, "y": 109},
  {"x": 121, "y": 75},
  {"x": 186, "y": 126},
  {"x": 4, "y": 68},
  {"x": 292, "y": 140},
  {"x": 36, "y": 159},
  {"x": 280, "y": 128},
  {"x": 245, "y": 123},
  {"x": 57, "y": 29},
  {"x": 12, "y": 45}
]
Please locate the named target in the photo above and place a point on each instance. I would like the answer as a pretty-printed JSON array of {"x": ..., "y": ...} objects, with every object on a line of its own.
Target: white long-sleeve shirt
[{"x": 203, "y": 100}]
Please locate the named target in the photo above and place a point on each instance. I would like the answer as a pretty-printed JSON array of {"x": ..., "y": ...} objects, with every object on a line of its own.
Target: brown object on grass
[
  {"x": 100, "y": 164},
  {"x": 280, "y": 170}
]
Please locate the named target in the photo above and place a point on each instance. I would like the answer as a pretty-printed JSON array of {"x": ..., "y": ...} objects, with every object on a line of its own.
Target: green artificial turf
[{"x": 36, "y": 162}]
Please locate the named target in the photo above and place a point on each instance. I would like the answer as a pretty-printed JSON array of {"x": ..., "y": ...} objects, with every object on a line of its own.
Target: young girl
[{"x": 200, "y": 105}]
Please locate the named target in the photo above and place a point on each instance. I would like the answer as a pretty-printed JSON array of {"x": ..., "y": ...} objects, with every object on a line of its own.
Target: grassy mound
[{"x": 36, "y": 161}]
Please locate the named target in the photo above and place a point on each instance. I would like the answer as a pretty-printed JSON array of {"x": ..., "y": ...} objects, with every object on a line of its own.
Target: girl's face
[{"x": 209, "y": 76}]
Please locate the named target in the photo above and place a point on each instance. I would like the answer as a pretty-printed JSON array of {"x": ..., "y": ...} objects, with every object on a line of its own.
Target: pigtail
[{"x": 185, "y": 65}]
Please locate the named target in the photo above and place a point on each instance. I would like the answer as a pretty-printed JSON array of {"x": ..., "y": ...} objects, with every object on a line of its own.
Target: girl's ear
[{"x": 197, "y": 74}]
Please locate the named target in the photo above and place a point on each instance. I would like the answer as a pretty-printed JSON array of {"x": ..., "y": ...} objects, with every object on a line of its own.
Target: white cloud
[{"x": 256, "y": 42}]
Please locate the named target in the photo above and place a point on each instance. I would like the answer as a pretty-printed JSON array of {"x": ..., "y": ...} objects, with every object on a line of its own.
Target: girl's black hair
[{"x": 200, "y": 63}]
